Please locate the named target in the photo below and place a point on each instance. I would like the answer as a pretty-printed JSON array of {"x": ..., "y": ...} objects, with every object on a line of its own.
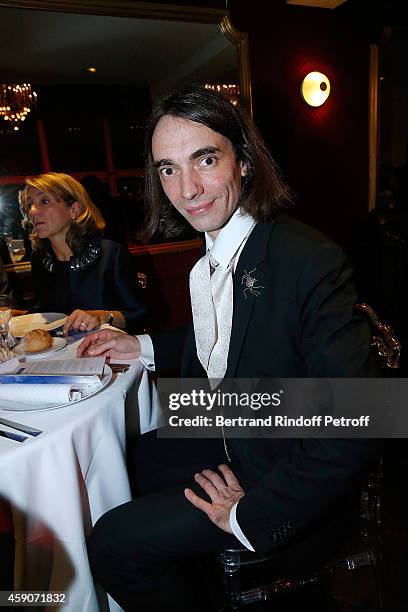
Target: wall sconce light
[{"x": 315, "y": 88}]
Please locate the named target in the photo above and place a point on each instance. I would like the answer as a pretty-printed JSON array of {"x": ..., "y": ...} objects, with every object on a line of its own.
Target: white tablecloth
[{"x": 62, "y": 481}]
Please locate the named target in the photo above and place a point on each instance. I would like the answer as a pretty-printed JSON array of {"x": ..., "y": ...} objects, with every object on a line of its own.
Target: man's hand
[
  {"x": 224, "y": 493},
  {"x": 109, "y": 343}
]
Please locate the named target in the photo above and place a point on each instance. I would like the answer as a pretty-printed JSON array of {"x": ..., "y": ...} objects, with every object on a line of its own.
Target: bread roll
[{"x": 37, "y": 340}]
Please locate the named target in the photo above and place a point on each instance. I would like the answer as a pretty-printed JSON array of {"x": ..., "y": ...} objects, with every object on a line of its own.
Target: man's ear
[
  {"x": 244, "y": 168},
  {"x": 76, "y": 210}
]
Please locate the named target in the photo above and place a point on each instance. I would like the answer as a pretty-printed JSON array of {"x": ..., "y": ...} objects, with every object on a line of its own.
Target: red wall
[{"x": 323, "y": 151}]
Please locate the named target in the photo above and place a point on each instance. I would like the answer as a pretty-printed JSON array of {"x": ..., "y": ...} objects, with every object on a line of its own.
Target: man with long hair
[{"x": 271, "y": 298}]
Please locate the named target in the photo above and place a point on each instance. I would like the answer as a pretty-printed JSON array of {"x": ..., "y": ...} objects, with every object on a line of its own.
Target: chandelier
[
  {"x": 230, "y": 91},
  {"x": 16, "y": 102}
]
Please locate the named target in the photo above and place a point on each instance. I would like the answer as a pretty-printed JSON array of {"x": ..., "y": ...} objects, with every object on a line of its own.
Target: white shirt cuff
[
  {"x": 146, "y": 352},
  {"x": 236, "y": 529}
]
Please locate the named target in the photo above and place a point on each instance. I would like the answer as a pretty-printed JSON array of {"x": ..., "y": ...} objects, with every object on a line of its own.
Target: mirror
[{"x": 92, "y": 122}]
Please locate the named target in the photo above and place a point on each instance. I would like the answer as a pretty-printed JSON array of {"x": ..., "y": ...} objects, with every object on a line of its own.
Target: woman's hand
[
  {"x": 87, "y": 320},
  {"x": 109, "y": 343},
  {"x": 84, "y": 320}
]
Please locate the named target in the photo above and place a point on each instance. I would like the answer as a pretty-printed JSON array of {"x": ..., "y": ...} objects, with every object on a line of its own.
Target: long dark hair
[{"x": 264, "y": 191}]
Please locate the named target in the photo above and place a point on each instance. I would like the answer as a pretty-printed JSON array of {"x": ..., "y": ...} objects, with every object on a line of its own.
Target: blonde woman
[{"x": 74, "y": 269}]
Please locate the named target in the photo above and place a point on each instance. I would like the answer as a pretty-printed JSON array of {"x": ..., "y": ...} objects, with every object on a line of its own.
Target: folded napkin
[{"x": 50, "y": 395}]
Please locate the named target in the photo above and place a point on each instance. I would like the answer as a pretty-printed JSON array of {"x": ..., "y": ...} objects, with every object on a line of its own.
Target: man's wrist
[{"x": 146, "y": 351}]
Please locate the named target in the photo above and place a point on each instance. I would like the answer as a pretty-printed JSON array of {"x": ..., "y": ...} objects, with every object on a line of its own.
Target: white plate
[
  {"x": 21, "y": 325},
  {"x": 17, "y": 407},
  {"x": 57, "y": 344}
]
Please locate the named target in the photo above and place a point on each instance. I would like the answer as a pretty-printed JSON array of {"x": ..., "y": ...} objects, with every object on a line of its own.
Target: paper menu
[{"x": 88, "y": 366}]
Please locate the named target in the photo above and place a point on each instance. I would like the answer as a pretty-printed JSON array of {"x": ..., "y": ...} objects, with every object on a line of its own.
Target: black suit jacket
[
  {"x": 109, "y": 283},
  {"x": 300, "y": 325}
]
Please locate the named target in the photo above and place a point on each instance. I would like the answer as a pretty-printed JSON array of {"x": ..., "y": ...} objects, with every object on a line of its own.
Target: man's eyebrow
[
  {"x": 204, "y": 151},
  {"x": 195, "y": 155},
  {"x": 163, "y": 162}
]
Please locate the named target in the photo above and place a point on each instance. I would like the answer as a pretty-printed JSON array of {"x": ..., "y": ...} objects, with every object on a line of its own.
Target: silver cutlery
[
  {"x": 20, "y": 427},
  {"x": 12, "y": 436}
]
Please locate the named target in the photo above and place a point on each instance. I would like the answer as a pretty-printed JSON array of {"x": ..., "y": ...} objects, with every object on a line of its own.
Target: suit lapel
[{"x": 251, "y": 265}]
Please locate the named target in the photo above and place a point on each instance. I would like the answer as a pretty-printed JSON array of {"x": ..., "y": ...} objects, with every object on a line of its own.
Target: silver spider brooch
[{"x": 250, "y": 283}]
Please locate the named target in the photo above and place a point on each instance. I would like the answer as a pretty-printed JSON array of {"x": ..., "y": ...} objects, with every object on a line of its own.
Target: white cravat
[
  {"x": 212, "y": 305},
  {"x": 222, "y": 290},
  {"x": 212, "y": 296}
]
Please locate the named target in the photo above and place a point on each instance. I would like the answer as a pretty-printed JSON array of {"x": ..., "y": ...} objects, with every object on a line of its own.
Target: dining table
[{"x": 59, "y": 483}]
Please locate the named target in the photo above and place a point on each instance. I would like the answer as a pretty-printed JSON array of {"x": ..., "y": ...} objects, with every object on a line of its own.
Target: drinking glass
[
  {"x": 5, "y": 316},
  {"x": 16, "y": 250}
]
